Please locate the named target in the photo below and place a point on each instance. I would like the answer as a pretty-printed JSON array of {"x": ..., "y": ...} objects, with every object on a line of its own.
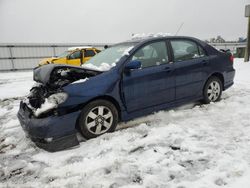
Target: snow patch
[
  {"x": 127, "y": 51},
  {"x": 50, "y": 103},
  {"x": 102, "y": 67},
  {"x": 193, "y": 146},
  {"x": 80, "y": 81},
  {"x": 149, "y": 35},
  {"x": 15, "y": 84},
  {"x": 79, "y": 48},
  {"x": 36, "y": 84},
  {"x": 64, "y": 72}
]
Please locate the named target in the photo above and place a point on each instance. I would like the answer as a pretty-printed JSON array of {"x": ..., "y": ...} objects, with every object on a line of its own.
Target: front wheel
[
  {"x": 212, "y": 90},
  {"x": 98, "y": 117}
]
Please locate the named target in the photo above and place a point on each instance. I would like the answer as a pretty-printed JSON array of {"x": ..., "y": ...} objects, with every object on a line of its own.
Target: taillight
[{"x": 231, "y": 58}]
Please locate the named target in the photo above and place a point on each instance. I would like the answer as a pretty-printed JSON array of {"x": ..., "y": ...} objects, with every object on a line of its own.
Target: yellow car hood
[{"x": 47, "y": 61}]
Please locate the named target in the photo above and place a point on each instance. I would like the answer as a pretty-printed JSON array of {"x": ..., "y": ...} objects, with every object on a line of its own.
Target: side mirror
[{"x": 134, "y": 64}]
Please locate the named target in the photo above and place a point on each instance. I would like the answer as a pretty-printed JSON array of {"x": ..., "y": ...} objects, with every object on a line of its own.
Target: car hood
[
  {"x": 47, "y": 60},
  {"x": 59, "y": 75}
]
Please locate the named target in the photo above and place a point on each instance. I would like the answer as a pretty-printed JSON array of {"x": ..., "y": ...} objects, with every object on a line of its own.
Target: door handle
[{"x": 167, "y": 69}]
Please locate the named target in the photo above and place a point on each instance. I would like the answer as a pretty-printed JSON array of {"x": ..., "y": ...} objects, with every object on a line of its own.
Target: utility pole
[{"x": 247, "y": 51}]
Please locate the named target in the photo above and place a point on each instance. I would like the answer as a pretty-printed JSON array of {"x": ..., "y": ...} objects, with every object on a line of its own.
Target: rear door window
[{"x": 186, "y": 50}]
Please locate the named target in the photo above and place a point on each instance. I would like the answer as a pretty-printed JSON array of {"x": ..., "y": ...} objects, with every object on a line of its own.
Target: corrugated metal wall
[{"x": 27, "y": 56}]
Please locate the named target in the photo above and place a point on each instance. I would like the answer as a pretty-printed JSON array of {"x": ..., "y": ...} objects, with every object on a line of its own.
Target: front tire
[
  {"x": 212, "y": 90},
  {"x": 98, "y": 117}
]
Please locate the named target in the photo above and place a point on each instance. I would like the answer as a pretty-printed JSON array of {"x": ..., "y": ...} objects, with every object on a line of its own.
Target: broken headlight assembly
[{"x": 51, "y": 103}]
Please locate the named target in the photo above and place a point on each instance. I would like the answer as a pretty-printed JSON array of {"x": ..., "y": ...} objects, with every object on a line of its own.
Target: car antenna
[{"x": 179, "y": 28}]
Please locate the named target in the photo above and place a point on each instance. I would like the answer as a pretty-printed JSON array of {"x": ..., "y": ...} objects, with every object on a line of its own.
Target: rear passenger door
[{"x": 191, "y": 67}]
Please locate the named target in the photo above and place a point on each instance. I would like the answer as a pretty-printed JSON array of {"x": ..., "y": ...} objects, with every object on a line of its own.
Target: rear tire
[
  {"x": 98, "y": 117},
  {"x": 212, "y": 90}
]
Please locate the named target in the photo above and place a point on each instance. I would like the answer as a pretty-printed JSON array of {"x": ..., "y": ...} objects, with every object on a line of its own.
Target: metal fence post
[
  {"x": 11, "y": 58},
  {"x": 54, "y": 50}
]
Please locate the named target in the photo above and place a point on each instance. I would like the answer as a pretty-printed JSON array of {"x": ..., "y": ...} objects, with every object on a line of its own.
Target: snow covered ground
[{"x": 193, "y": 146}]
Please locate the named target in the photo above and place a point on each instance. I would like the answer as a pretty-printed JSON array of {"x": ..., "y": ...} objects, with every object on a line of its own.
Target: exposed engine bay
[
  {"x": 47, "y": 93},
  {"x": 57, "y": 76}
]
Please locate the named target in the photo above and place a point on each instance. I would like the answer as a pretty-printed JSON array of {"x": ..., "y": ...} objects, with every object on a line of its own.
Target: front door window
[
  {"x": 153, "y": 54},
  {"x": 75, "y": 55},
  {"x": 75, "y": 58}
]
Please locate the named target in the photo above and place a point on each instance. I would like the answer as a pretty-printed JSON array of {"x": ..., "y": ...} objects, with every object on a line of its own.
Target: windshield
[
  {"x": 108, "y": 58},
  {"x": 64, "y": 54}
]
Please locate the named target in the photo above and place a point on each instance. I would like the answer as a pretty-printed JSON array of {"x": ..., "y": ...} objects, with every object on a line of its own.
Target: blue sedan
[{"x": 125, "y": 81}]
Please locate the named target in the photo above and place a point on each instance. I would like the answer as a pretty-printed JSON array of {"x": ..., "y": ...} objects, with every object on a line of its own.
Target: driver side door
[
  {"x": 75, "y": 58},
  {"x": 154, "y": 83}
]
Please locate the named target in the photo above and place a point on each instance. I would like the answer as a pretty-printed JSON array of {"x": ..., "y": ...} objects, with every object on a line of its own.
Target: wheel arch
[
  {"x": 218, "y": 75},
  {"x": 104, "y": 97}
]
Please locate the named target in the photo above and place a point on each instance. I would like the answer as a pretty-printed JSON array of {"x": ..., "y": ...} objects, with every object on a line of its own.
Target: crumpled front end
[
  {"x": 39, "y": 119},
  {"x": 52, "y": 133},
  {"x": 49, "y": 126}
]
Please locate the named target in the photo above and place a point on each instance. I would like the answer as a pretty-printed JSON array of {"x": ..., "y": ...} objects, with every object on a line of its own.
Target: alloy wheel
[
  {"x": 99, "y": 120},
  {"x": 213, "y": 91}
]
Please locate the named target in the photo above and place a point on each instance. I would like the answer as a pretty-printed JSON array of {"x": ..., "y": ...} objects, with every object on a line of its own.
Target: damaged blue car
[{"x": 128, "y": 80}]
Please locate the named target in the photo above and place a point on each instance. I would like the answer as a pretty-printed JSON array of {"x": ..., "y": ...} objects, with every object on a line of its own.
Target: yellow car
[{"x": 73, "y": 56}]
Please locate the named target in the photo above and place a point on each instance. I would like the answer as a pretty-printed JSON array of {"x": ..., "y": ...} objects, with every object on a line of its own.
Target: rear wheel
[
  {"x": 97, "y": 118},
  {"x": 212, "y": 90}
]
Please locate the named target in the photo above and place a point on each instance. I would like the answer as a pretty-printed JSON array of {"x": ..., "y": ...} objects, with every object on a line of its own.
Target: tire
[
  {"x": 98, "y": 117},
  {"x": 212, "y": 90}
]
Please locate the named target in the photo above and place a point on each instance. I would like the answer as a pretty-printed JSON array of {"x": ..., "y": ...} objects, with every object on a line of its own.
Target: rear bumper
[{"x": 52, "y": 133}]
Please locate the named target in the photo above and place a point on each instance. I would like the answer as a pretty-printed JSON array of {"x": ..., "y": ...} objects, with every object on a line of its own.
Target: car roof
[
  {"x": 151, "y": 39},
  {"x": 79, "y": 48},
  {"x": 157, "y": 38}
]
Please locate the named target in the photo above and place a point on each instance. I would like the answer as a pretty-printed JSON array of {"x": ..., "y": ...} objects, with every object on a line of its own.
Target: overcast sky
[{"x": 115, "y": 20}]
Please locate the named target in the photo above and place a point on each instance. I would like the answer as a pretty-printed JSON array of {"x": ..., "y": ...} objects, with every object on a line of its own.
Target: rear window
[{"x": 75, "y": 55}]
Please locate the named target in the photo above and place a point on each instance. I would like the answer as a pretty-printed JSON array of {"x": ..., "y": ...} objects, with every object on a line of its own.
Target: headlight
[
  {"x": 58, "y": 98},
  {"x": 51, "y": 103}
]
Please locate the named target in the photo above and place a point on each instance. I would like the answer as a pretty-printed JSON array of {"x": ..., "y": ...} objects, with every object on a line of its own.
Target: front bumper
[{"x": 52, "y": 133}]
